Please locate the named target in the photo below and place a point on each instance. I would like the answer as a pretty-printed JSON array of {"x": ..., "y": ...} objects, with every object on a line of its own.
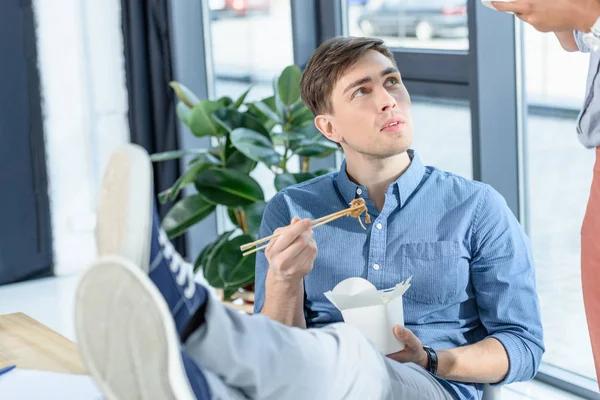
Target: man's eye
[
  {"x": 358, "y": 93},
  {"x": 392, "y": 81}
]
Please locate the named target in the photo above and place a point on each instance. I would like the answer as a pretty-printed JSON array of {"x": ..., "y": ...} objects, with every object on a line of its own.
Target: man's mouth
[{"x": 393, "y": 125}]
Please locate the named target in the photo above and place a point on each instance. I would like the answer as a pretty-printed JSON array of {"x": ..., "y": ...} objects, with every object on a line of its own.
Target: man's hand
[
  {"x": 291, "y": 255},
  {"x": 413, "y": 349},
  {"x": 554, "y": 15}
]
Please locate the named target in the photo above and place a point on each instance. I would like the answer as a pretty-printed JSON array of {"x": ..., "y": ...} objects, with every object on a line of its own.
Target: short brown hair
[{"x": 328, "y": 63}]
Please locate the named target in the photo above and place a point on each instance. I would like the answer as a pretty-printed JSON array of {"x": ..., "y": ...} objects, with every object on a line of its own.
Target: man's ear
[{"x": 325, "y": 124}]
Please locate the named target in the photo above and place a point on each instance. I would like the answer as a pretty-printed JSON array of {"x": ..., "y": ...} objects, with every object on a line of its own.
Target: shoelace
[{"x": 184, "y": 270}]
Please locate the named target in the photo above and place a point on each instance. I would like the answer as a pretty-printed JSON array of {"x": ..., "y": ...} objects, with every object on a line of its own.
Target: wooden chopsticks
[{"x": 356, "y": 209}]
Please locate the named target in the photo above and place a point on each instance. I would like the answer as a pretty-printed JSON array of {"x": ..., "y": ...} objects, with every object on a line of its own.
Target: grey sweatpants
[{"x": 257, "y": 358}]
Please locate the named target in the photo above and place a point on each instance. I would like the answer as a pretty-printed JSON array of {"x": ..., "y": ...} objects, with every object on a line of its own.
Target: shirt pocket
[{"x": 433, "y": 267}]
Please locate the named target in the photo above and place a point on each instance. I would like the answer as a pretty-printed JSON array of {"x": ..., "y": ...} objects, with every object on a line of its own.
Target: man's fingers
[
  {"x": 297, "y": 246},
  {"x": 305, "y": 254},
  {"x": 410, "y": 340},
  {"x": 289, "y": 234}
]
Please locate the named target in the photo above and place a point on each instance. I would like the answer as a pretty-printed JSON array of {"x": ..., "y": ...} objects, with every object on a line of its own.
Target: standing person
[{"x": 576, "y": 24}]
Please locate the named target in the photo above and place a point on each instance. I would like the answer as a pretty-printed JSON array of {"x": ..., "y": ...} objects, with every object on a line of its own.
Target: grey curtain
[{"x": 149, "y": 69}]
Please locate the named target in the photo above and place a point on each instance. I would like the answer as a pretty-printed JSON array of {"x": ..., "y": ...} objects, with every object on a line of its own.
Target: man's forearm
[
  {"x": 284, "y": 301},
  {"x": 482, "y": 362}
]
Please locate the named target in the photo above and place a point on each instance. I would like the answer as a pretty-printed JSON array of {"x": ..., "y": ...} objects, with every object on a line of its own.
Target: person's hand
[
  {"x": 291, "y": 255},
  {"x": 413, "y": 348},
  {"x": 554, "y": 15}
]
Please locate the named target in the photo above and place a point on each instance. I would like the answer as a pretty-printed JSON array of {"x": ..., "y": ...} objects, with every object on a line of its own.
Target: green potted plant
[{"x": 270, "y": 131}]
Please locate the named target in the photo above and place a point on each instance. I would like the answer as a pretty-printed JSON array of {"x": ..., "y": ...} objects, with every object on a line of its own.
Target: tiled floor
[{"x": 51, "y": 301}]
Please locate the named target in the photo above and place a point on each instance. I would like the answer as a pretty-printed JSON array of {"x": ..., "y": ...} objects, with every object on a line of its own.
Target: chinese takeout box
[{"x": 373, "y": 312}]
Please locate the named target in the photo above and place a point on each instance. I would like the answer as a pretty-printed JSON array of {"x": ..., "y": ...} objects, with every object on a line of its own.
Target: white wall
[{"x": 84, "y": 104}]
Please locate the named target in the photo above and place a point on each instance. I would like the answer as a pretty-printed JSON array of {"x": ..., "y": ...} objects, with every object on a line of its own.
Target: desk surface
[{"x": 31, "y": 345}]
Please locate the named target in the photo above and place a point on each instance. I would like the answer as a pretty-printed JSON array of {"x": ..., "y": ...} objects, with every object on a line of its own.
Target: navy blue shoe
[
  {"x": 174, "y": 278},
  {"x": 127, "y": 338},
  {"x": 128, "y": 226}
]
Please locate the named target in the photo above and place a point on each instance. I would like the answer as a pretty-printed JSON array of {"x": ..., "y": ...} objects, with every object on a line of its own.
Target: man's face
[{"x": 371, "y": 109}]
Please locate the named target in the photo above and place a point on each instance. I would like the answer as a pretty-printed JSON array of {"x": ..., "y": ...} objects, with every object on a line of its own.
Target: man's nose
[{"x": 387, "y": 101}]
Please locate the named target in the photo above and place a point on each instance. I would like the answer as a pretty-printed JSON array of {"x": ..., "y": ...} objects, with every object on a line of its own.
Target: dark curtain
[{"x": 149, "y": 69}]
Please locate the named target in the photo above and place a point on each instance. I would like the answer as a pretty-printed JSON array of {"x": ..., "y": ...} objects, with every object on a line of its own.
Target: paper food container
[
  {"x": 489, "y": 2},
  {"x": 373, "y": 312}
]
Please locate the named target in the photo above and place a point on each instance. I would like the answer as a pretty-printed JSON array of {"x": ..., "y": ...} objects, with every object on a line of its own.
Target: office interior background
[{"x": 493, "y": 100}]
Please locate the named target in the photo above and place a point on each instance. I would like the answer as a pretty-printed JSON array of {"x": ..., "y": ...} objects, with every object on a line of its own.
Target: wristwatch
[
  {"x": 432, "y": 360},
  {"x": 592, "y": 38}
]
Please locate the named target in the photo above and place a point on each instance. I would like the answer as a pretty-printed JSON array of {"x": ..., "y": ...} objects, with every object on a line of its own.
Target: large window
[
  {"x": 559, "y": 173},
  {"x": 426, "y": 24},
  {"x": 251, "y": 43},
  {"x": 443, "y": 141}
]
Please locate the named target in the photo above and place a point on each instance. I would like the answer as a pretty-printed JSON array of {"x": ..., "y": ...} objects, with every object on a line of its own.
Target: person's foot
[
  {"x": 127, "y": 338},
  {"x": 128, "y": 225}
]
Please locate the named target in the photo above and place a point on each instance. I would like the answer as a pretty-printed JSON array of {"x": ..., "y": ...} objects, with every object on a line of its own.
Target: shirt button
[
  {"x": 359, "y": 191},
  {"x": 376, "y": 267},
  {"x": 379, "y": 226}
]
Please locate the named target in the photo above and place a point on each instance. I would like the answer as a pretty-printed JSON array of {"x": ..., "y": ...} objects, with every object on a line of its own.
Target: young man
[{"x": 473, "y": 295}]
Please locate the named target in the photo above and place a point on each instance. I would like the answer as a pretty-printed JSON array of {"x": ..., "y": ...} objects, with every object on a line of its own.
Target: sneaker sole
[
  {"x": 126, "y": 335},
  {"x": 125, "y": 207}
]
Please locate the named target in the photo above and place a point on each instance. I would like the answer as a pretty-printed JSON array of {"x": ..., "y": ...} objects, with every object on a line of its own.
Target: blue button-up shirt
[{"x": 471, "y": 263}]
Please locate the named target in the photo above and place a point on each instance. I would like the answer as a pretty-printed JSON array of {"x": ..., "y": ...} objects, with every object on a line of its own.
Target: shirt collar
[{"x": 403, "y": 187}]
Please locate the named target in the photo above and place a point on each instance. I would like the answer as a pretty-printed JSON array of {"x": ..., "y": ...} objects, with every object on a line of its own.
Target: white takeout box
[
  {"x": 489, "y": 2},
  {"x": 373, "y": 312}
]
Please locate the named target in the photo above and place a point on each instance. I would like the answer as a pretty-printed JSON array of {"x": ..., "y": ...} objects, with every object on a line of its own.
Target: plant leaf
[
  {"x": 211, "y": 261},
  {"x": 280, "y": 107},
  {"x": 201, "y": 259},
  {"x": 225, "y": 101},
  {"x": 255, "y": 146},
  {"x": 284, "y": 180},
  {"x": 228, "y": 187},
  {"x": 187, "y": 178},
  {"x": 254, "y": 214},
  {"x": 266, "y": 111},
  {"x": 301, "y": 116},
  {"x": 315, "y": 149},
  {"x": 235, "y": 269},
  {"x": 241, "y": 99},
  {"x": 234, "y": 119},
  {"x": 288, "y": 85},
  {"x": 201, "y": 122},
  {"x": 238, "y": 161},
  {"x": 172, "y": 155},
  {"x": 183, "y": 112},
  {"x": 186, "y": 213},
  {"x": 207, "y": 157},
  {"x": 184, "y": 94}
]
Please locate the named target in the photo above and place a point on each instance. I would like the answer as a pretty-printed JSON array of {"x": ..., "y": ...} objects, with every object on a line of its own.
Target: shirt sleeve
[
  {"x": 580, "y": 43},
  {"x": 276, "y": 215},
  {"x": 503, "y": 277}
]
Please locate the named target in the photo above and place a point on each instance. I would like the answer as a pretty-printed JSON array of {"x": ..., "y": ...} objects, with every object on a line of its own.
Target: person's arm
[
  {"x": 503, "y": 277},
  {"x": 567, "y": 40},
  {"x": 284, "y": 301},
  {"x": 504, "y": 283},
  {"x": 483, "y": 362},
  {"x": 555, "y": 15},
  {"x": 279, "y": 287}
]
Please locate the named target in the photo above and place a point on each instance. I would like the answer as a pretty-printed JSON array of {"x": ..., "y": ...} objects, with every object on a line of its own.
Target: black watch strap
[{"x": 432, "y": 360}]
